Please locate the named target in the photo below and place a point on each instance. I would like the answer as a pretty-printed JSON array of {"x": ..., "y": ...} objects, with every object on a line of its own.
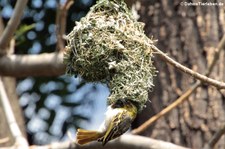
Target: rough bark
[{"x": 190, "y": 35}]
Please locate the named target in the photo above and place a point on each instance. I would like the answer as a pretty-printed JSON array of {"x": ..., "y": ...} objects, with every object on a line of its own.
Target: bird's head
[{"x": 127, "y": 104}]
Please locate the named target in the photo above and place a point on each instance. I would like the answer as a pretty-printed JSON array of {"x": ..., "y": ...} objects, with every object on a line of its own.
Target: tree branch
[
  {"x": 166, "y": 110},
  {"x": 124, "y": 142},
  {"x": 12, "y": 25},
  {"x": 203, "y": 78},
  {"x": 47, "y": 64},
  {"x": 14, "y": 128},
  {"x": 216, "y": 137},
  {"x": 61, "y": 23},
  {"x": 220, "y": 47}
]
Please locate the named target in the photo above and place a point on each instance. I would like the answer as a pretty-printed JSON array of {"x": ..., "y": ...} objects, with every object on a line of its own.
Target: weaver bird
[{"x": 119, "y": 117}]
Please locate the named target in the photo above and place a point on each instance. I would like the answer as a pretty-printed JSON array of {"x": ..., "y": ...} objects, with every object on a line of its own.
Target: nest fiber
[{"x": 109, "y": 46}]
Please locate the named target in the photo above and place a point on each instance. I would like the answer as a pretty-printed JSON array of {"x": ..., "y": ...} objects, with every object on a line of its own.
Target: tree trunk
[{"x": 190, "y": 35}]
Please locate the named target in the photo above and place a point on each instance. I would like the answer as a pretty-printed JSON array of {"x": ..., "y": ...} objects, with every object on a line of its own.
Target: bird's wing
[{"x": 119, "y": 125}]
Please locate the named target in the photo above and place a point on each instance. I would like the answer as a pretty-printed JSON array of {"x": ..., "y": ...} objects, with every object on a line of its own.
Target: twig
[
  {"x": 185, "y": 95},
  {"x": 46, "y": 64},
  {"x": 216, "y": 137},
  {"x": 216, "y": 55},
  {"x": 177, "y": 102},
  {"x": 61, "y": 23},
  {"x": 14, "y": 128},
  {"x": 12, "y": 25},
  {"x": 203, "y": 78}
]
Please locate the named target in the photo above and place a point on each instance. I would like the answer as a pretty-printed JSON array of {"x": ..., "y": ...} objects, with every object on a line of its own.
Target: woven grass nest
[{"x": 109, "y": 46}]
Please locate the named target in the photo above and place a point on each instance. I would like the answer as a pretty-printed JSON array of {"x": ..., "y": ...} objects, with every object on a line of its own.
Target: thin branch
[
  {"x": 173, "y": 105},
  {"x": 220, "y": 47},
  {"x": 61, "y": 23},
  {"x": 184, "y": 96},
  {"x": 14, "y": 128},
  {"x": 124, "y": 142},
  {"x": 216, "y": 137},
  {"x": 203, "y": 78},
  {"x": 12, "y": 24},
  {"x": 47, "y": 64}
]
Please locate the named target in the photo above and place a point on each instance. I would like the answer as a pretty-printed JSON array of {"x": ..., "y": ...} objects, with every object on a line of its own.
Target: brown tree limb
[
  {"x": 166, "y": 110},
  {"x": 124, "y": 142},
  {"x": 184, "y": 96},
  {"x": 216, "y": 137},
  {"x": 220, "y": 47},
  {"x": 61, "y": 23},
  {"x": 203, "y": 78},
  {"x": 47, "y": 64},
  {"x": 12, "y": 25},
  {"x": 14, "y": 127}
]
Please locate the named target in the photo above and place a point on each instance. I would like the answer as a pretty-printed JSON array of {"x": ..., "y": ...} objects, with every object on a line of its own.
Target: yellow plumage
[{"x": 119, "y": 117}]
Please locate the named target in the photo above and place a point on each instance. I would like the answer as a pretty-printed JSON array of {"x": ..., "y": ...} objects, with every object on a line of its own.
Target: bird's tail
[{"x": 86, "y": 136}]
